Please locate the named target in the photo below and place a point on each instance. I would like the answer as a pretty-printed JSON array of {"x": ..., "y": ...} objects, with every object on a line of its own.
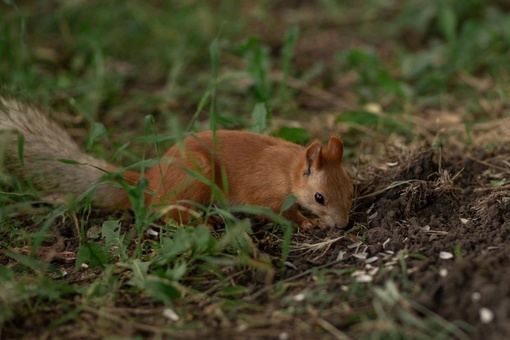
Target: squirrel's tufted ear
[
  {"x": 336, "y": 148},
  {"x": 313, "y": 157}
]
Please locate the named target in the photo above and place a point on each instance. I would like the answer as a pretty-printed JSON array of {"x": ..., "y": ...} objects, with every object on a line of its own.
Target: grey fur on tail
[{"x": 44, "y": 145}]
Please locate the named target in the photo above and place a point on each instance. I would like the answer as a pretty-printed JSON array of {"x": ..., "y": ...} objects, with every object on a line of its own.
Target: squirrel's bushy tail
[{"x": 44, "y": 145}]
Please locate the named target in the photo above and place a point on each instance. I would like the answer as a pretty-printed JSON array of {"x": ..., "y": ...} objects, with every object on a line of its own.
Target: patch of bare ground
[{"x": 448, "y": 207}]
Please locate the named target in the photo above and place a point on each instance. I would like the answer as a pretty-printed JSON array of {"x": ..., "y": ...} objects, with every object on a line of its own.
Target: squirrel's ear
[
  {"x": 336, "y": 148},
  {"x": 313, "y": 157}
]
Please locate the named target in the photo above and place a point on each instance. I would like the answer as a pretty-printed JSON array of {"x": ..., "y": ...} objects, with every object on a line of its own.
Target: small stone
[
  {"x": 152, "y": 232},
  {"x": 290, "y": 265},
  {"x": 364, "y": 278},
  {"x": 444, "y": 255},
  {"x": 299, "y": 297},
  {"x": 340, "y": 255},
  {"x": 371, "y": 259},
  {"x": 486, "y": 315},
  {"x": 94, "y": 232},
  {"x": 360, "y": 256},
  {"x": 373, "y": 271},
  {"x": 373, "y": 216},
  {"x": 283, "y": 336},
  {"x": 170, "y": 314},
  {"x": 475, "y": 297}
]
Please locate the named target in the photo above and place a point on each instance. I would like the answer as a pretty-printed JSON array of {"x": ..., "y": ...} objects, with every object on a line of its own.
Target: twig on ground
[
  {"x": 391, "y": 186},
  {"x": 487, "y": 164},
  {"x": 335, "y": 332}
]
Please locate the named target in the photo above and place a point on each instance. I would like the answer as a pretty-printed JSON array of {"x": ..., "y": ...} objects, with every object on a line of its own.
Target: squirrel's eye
[{"x": 319, "y": 198}]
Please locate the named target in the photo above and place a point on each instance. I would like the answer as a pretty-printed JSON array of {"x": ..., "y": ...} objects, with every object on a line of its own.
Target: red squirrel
[{"x": 259, "y": 170}]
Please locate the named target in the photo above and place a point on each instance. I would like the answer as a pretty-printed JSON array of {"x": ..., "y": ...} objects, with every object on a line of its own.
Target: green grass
[{"x": 133, "y": 77}]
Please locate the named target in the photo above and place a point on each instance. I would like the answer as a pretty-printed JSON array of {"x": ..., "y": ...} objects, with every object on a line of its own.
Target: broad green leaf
[
  {"x": 293, "y": 134},
  {"x": 6, "y": 273},
  {"x": 113, "y": 239},
  {"x": 139, "y": 270},
  {"x": 448, "y": 22},
  {"x": 289, "y": 202},
  {"x": 359, "y": 117},
  {"x": 233, "y": 290},
  {"x": 259, "y": 118},
  {"x": 21, "y": 148},
  {"x": 162, "y": 291},
  {"x": 96, "y": 131},
  {"x": 91, "y": 254},
  {"x": 177, "y": 272}
]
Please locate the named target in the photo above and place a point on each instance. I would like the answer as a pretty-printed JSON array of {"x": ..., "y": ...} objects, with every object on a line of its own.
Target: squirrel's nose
[{"x": 345, "y": 224}]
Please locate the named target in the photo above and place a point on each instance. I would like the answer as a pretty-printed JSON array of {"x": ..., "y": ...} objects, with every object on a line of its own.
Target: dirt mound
[{"x": 450, "y": 210}]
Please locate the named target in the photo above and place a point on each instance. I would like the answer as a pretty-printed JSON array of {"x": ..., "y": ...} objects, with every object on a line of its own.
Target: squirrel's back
[{"x": 38, "y": 155}]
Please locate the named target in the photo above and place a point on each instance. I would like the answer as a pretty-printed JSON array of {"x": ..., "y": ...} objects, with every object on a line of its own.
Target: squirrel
[{"x": 248, "y": 168}]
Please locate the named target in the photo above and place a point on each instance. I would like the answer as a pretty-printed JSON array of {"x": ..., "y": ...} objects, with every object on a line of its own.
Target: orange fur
[{"x": 260, "y": 170}]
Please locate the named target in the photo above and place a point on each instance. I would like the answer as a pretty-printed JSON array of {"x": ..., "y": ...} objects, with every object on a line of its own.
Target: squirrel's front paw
[{"x": 310, "y": 222}]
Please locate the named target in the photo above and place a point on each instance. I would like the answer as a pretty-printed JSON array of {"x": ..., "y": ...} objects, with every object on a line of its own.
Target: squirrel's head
[{"x": 324, "y": 187}]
